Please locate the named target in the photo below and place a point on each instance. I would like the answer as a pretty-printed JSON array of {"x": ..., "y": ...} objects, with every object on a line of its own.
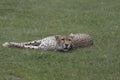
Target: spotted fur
[
  {"x": 81, "y": 40},
  {"x": 57, "y": 42}
]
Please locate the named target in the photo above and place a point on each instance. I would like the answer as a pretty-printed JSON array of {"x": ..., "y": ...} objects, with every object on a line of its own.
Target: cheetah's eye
[
  {"x": 63, "y": 39},
  {"x": 69, "y": 39}
]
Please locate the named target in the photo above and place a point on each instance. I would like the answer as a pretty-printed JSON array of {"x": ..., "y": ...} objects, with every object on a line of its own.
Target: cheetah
[{"x": 56, "y": 42}]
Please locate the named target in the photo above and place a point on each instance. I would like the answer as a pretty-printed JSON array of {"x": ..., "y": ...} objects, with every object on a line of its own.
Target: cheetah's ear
[
  {"x": 57, "y": 37},
  {"x": 72, "y": 35}
]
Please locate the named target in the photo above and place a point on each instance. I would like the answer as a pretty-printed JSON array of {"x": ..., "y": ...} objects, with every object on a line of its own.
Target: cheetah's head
[{"x": 64, "y": 42}]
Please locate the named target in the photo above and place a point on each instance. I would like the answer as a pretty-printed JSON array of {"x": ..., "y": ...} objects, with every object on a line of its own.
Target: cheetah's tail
[
  {"x": 13, "y": 44},
  {"x": 6, "y": 44},
  {"x": 21, "y": 45}
]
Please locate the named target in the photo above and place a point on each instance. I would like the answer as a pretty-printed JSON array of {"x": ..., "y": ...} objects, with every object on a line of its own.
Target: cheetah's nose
[{"x": 66, "y": 45}]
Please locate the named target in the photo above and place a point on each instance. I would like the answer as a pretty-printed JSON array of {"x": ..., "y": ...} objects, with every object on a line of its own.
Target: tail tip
[{"x": 6, "y": 44}]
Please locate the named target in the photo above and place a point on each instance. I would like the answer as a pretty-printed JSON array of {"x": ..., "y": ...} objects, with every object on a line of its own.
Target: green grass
[{"x": 25, "y": 20}]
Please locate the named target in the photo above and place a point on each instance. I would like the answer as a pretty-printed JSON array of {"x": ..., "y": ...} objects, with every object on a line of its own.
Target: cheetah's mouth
[{"x": 66, "y": 48}]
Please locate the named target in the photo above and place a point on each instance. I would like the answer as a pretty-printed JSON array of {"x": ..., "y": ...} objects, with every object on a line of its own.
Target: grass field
[{"x": 25, "y": 20}]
